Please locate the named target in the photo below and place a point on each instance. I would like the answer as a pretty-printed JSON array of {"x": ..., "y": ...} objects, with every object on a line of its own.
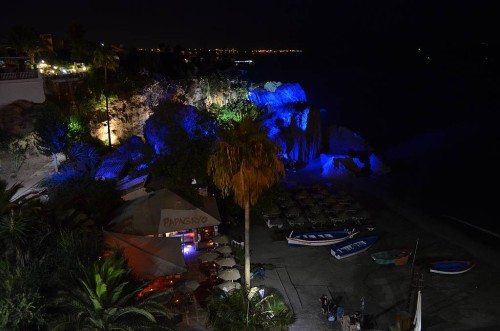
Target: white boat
[
  {"x": 352, "y": 247},
  {"x": 320, "y": 238}
]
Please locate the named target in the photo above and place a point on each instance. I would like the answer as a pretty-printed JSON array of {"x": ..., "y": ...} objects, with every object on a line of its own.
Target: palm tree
[
  {"x": 21, "y": 227},
  {"x": 105, "y": 300},
  {"x": 105, "y": 57},
  {"x": 26, "y": 40},
  {"x": 245, "y": 162},
  {"x": 247, "y": 309}
]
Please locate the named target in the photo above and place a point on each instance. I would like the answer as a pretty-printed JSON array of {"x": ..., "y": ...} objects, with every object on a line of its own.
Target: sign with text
[{"x": 175, "y": 219}]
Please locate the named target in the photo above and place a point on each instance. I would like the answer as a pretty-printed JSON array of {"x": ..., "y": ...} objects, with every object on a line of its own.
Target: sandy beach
[{"x": 449, "y": 302}]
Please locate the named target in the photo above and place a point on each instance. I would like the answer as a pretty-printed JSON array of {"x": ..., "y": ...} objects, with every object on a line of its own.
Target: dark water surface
[{"x": 432, "y": 122}]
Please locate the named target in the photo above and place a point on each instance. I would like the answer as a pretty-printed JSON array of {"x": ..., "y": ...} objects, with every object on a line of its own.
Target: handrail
[{"x": 18, "y": 75}]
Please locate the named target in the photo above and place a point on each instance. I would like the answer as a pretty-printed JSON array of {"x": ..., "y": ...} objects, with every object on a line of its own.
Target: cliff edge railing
[{"x": 13, "y": 68}]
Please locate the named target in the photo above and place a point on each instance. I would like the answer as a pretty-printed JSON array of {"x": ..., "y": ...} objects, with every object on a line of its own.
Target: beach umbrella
[
  {"x": 273, "y": 210},
  {"x": 230, "y": 274},
  {"x": 363, "y": 213},
  {"x": 226, "y": 262},
  {"x": 309, "y": 201},
  {"x": 331, "y": 199},
  {"x": 301, "y": 195},
  {"x": 318, "y": 197},
  {"x": 284, "y": 195},
  {"x": 228, "y": 286},
  {"x": 297, "y": 221},
  {"x": 320, "y": 218},
  {"x": 288, "y": 203},
  {"x": 294, "y": 211},
  {"x": 221, "y": 239},
  {"x": 186, "y": 285},
  {"x": 315, "y": 209},
  {"x": 324, "y": 192},
  {"x": 223, "y": 249},
  {"x": 208, "y": 257}
]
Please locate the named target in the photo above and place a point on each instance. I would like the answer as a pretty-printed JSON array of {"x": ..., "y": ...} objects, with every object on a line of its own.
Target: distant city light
[{"x": 219, "y": 51}]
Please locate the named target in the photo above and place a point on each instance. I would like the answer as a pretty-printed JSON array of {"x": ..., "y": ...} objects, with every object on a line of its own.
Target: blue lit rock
[
  {"x": 293, "y": 124},
  {"x": 284, "y": 94}
]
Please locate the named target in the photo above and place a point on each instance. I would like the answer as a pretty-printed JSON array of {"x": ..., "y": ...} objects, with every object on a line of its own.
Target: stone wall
[{"x": 22, "y": 89}]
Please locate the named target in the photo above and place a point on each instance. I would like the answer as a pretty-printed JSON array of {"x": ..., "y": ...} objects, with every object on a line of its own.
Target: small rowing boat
[
  {"x": 353, "y": 247},
  {"x": 391, "y": 257},
  {"x": 451, "y": 267},
  {"x": 321, "y": 238}
]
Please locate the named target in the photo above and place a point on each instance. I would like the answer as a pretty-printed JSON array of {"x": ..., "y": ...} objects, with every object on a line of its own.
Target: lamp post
[{"x": 106, "y": 93}]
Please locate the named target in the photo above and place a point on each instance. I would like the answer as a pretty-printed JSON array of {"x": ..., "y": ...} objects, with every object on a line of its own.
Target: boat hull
[
  {"x": 451, "y": 267},
  {"x": 319, "y": 238},
  {"x": 352, "y": 247},
  {"x": 396, "y": 257}
]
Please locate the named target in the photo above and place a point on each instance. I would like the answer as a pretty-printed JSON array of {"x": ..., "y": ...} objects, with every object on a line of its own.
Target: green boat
[{"x": 392, "y": 257}]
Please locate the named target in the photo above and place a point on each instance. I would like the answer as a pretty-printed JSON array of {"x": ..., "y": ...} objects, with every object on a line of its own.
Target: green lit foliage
[
  {"x": 245, "y": 309},
  {"x": 76, "y": 128},
  {"x": 21, "y": 226},
  {"x": 105, "y": 58},
  {"x": 67, "y": 249},
  {"x": 103, "y": 298},
  {"x": 217, "y": 90},
  {"x": 16, "y": 229},
  {"x": 26, "y": 41},
  {"x": 235, "y": 111},
  {"x": 21, "y": 305},
  {"x": 22, "y": 241}
]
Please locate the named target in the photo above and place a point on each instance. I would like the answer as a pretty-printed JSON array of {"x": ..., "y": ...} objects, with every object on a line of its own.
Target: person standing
[{"x": 324, "y": 303}]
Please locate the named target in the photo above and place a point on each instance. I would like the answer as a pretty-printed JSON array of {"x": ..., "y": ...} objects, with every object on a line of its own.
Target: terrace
[{"x": 13, "y": 68}]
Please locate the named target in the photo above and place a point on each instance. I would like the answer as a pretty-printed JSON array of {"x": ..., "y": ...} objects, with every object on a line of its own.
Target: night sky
[
  {"x": 363, "y": 63},
  {"x": 344, "y": 25}
]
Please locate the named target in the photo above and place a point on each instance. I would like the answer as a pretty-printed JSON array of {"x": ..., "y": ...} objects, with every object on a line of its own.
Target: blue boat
[
  {"x": 353, "y": 247},
  {"x": 451, "y": 267},
  {"x": 320, "y": 238}
]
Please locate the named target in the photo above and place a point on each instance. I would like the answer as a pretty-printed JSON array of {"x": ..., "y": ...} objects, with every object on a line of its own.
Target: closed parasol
[
  {"x": 228, "y": 286},
  {"x": 223, "y": 249},
  {"x": 186, "y": 285},
  {"x": 208, "y": 257},
  {"x": 226, "y": 262},
  {"x": 221, "y": 239},
  {"x": 230, "y": 274}
]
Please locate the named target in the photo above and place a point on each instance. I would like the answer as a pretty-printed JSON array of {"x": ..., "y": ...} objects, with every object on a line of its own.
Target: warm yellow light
[{"x": 103, "y": 135}]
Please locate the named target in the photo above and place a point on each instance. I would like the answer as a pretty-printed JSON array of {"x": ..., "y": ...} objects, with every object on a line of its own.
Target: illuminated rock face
[
  {"x": 172, "y": 122},
  {"x": 129, "y": 154},
  {"x": 293, "y": 124},
  {"x": 203, "y": 93},
  {"x": 127, "y": 118},
  {"x": 283, "y": 95}
]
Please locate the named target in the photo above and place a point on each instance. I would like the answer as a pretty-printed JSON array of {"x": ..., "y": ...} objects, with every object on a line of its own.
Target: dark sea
[{"x": 432, "y": 120}]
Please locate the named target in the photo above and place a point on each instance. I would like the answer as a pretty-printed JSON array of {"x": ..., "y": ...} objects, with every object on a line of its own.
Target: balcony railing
[{"x": 19, "y": 75}]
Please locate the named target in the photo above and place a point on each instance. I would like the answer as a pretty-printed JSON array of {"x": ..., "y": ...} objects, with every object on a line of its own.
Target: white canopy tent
[{"x": 163, "y": 211}]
